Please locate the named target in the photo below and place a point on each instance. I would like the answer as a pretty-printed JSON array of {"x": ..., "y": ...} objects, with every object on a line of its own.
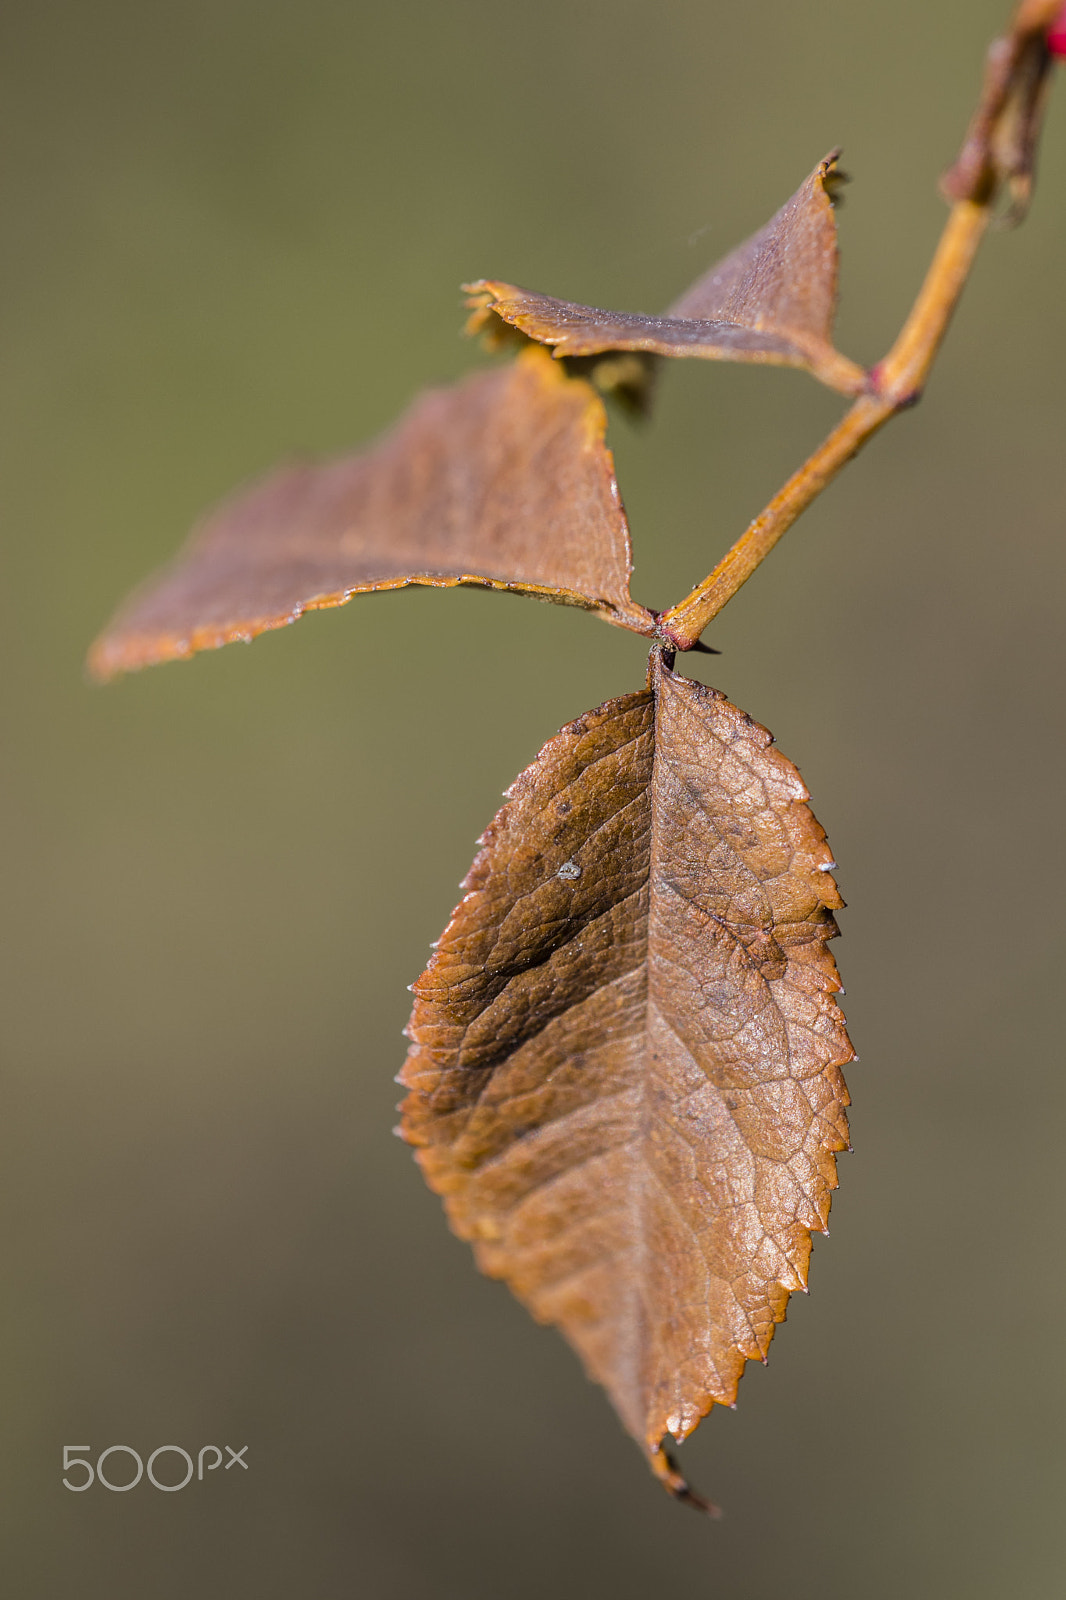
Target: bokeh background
[{"x": 234, "y": 230}]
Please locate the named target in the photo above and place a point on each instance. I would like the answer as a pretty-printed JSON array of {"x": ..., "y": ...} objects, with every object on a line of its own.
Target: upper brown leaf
[
  {"x": 625, "y": 1065},
  {"x": 772, "y": 300},
  {"x": 503, "y": 480}
]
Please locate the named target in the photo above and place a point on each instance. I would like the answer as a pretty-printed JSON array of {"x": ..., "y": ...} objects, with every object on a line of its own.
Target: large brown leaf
[
  {"x": 625, "y": 1064},
  {"x": 503, "y": 481},
  {"x": 772, "y": 300}
]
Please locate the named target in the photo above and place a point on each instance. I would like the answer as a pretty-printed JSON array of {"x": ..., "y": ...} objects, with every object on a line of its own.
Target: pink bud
[{"x": 1056, "y": 38}]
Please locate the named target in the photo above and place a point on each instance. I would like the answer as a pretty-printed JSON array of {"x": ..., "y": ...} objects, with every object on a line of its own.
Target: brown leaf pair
[
  {"x": 503, "y": 481},
  {"x": 624, "y": 1076}
]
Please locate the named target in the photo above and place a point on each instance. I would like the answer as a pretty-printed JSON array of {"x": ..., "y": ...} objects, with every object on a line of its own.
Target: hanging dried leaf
[
  {"x": 772, "y": 300},
  {"x": 625, "y": 1065},
  {"x": 502, "y": 481}
]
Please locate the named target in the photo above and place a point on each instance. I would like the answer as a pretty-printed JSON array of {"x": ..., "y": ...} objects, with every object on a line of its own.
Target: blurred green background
[{"x": 235, "y": 230}]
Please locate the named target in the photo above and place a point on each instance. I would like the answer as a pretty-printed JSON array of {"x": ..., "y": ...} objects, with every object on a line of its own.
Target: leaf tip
[
  {"x": 669, "y": 1475},
  {"x": 833, "y": 178}
]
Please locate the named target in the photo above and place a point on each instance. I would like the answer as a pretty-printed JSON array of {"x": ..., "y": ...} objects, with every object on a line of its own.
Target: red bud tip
[{"x": 1056, "y": 39}]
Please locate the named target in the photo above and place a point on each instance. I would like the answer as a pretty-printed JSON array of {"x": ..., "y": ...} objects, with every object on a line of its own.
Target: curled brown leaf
[
  {"x": 503, "y": 481},
  {"x": 773, "y": 299},
  {"x": 624, "y": 1072}
]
